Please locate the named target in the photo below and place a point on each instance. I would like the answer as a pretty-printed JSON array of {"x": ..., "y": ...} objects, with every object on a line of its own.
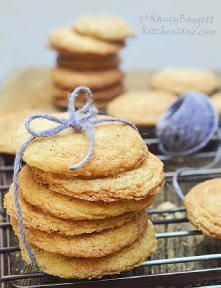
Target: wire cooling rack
[{"x": 184, "y": 257}]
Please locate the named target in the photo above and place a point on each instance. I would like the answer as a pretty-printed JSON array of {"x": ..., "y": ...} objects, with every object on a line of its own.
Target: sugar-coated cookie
[
  {"x": 130, "y": 185},
  {"x": 180, "y": 80},
  {"x": 67, "y": 207},
  {"x": 118, "y": 147},
  {"x": 35, "y": 218},
  {"x": 203, "y": 206},
  {"x": 9, "y": 123},
  {"x": 68, "y": 267},
  {"x": 104, "y": 27},
  {"x": 92, "y": 245},
  {"x": 144, "y": 108},
  {"x": 66, "y": 39},
  {"x": 95, "y": 79}
]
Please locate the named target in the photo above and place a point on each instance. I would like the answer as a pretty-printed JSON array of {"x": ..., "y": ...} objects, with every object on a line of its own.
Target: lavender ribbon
[{"x": 81, "y": 119}]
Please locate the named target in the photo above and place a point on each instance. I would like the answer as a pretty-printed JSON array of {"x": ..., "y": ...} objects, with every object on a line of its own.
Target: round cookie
[
  {"x": 9, "y": 123},
  {"x": 37, "y": 219},
  {"x": 67, "y": 207},
  {"x": 118, "y": 148},
  {"x": 70, "y": 79},
  {"x": 131, "y": 185},
  {"x": 180, "y": 80},
  {"x": 93, "y": 64},
  {"x": 93, "y": 245},
  {"x": 144, "y": 108},
  {"x": 104, "y": 27},
  {"x": 203, "y": 207},
  {"x": 67, "y": 267},
  {"x": 101, "y": 95},
  {"x": 63, "y": 103},
  {"x": 64, "y": 38},
  {"x": 216, "y": 99}
]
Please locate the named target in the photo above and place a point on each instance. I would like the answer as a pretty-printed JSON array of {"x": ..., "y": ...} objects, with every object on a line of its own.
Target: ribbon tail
[
  {"x": 176, "y": 183},
  {"x": 90, "y": 131},
  {"x": 17, "y": 166}
]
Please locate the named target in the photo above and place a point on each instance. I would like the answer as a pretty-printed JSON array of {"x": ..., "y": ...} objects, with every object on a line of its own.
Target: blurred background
[{"x": 25, "y": 25}]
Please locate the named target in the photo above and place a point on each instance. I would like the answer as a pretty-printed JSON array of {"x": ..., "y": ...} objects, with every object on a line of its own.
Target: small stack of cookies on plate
[
  {"x": 92, "y": 221},
  {"x": 88, "y": 56}
]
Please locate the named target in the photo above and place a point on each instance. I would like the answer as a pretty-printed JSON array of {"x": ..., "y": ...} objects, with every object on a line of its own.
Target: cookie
[
  {"x": 64, "y": 38},
  {"x": 70, "y": 79},
  {"x": 131, "y": 185},
  {"x": 9, "y": 123},
  {"x": 37, "y": 219},
  {"x": 216, "y": 99},
  {"x": 104, "y": 27},
  {"x": 67, "y": 207},
  {"x": 143, "y": 108},
  {"x": 62, "y": 104},
  {"x": 79, "y": 63},
  {"x": 93, "y": 245},
  {"x": 203, "y": 207},
  {"x": 67, "y": 267},
  {"x": 58, "y": 153},
  {"x": 100, "y": 95},
  {"x": 180, "y": 80}
]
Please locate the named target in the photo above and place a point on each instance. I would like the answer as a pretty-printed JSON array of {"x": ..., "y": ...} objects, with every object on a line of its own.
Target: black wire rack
[{"x": 184, "y": 258}]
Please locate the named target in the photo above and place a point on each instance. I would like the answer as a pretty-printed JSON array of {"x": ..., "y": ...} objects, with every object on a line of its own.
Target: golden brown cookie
[
  {"x": 62, "y": 104},
  {"x": 67, "y": 207},
  {"x": 92, "y": 245},
  {"x": 104, "y": 27},
  {"x": 66, "y": 39},
  {"x": 9, "y": 123},
  {"x": 118, "y": 148},
  {"x": 203, "y": 207},
  {"x": 144, "y": 108},
  {"x": 180, "y": 80},
  {"x": 70, "y": 79},
  {"x": 37, "y": 219},
  {"x": 216, "y": 99},
  {"x": 88, "y": 64},
  {"x": 100, "y": 95},
  {"x": 131, "y": 185},
  {"x": 67, "y": 267}
]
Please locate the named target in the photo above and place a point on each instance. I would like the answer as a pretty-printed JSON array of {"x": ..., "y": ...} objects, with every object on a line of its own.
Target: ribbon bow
[{"x": 81, "y": 119}]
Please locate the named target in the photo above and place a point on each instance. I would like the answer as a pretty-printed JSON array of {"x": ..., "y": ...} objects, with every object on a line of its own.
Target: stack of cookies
[
  {"x": 88, "y": 56},
  {"x": 92, "y": 221}
]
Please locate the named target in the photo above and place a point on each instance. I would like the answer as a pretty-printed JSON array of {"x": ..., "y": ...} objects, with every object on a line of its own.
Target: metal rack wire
[{"x": 184, "y": 256}]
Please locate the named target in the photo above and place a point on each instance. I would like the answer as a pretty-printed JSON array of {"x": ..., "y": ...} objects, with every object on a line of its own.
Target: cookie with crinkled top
[
  {"x": 180, "y": 80},
  {"x": 35, "y": 218},
  {"x": 9, "y": 123},
  {"x": 144, "y": 108},
  {"x": 66, "y": 39},
  {"x": 203, "y": 207},
  {"x": 131, "y": 185},
  {"x": 118, "y": 147},
  {"x": 104, "y": 27},
  {"x": 73, "y": 267},
  {"x": 91, "y": 245},
  {"x": 67, "y": 207},
  {"x": 95, "y": 79}
]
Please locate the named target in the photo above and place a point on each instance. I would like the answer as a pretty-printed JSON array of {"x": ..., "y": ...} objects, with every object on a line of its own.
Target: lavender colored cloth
[
  {"x": 78, "y": 120},
  {"x": 186, "y": 127}
]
